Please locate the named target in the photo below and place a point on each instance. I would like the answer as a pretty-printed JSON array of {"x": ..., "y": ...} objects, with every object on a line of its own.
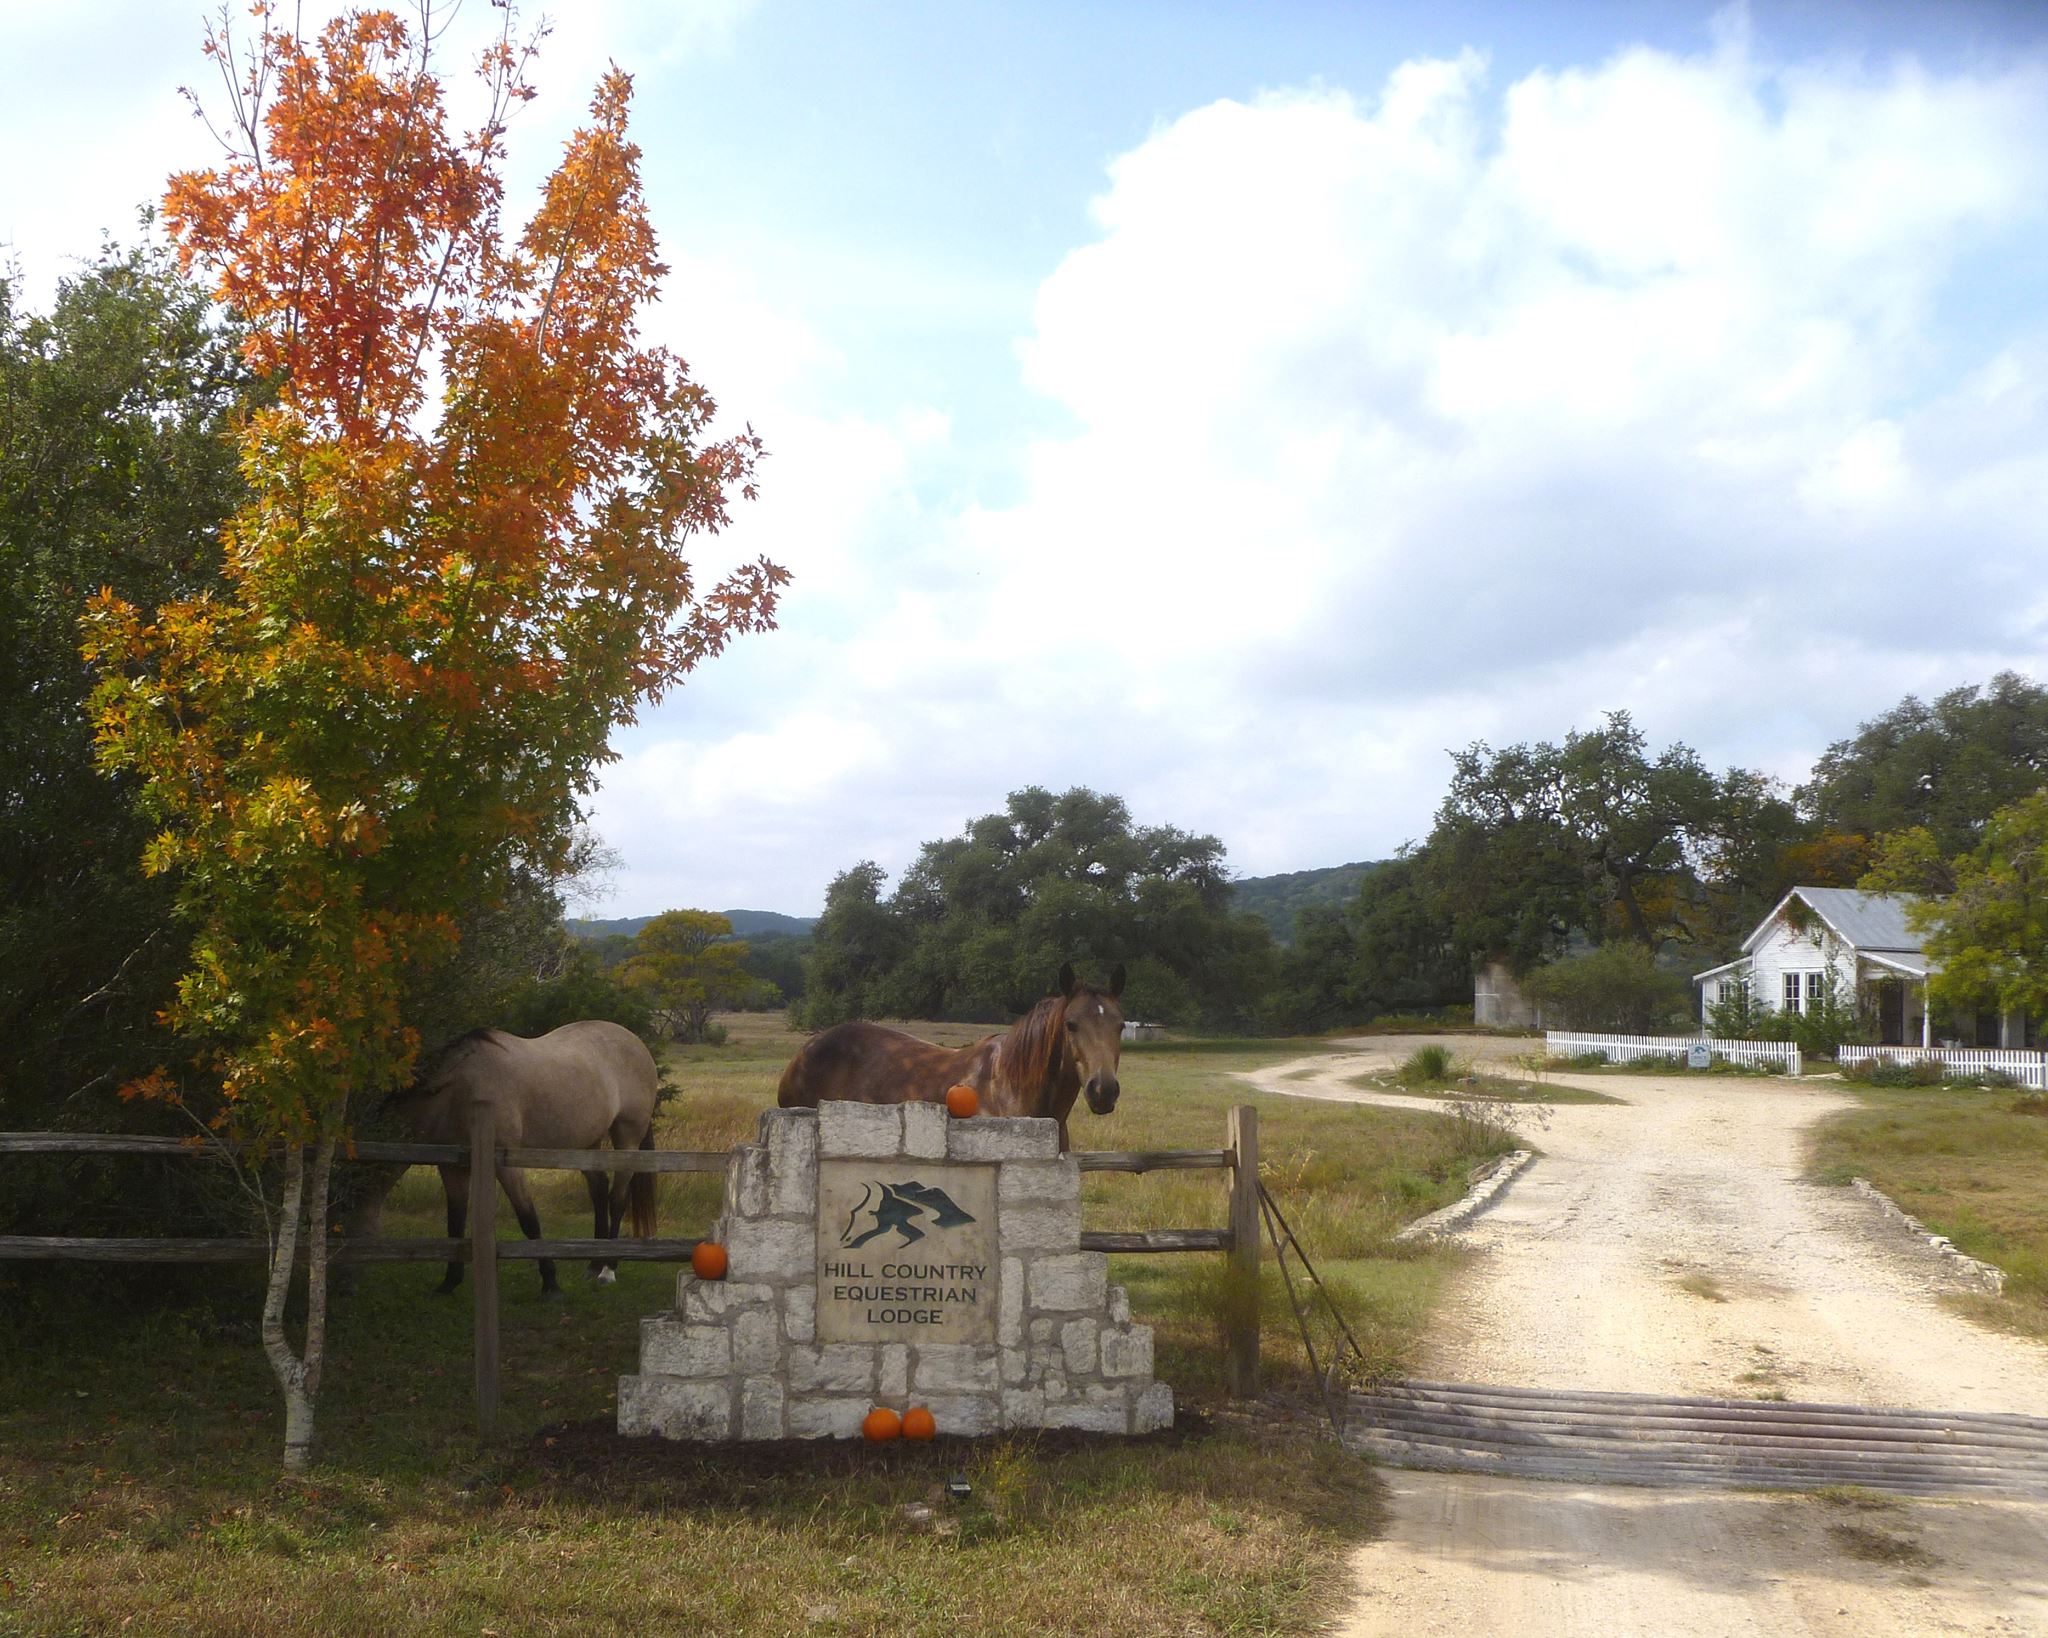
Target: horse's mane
[
  {"x": 1032, "y": 1046},
  {"x": 427, "y": 1074}
]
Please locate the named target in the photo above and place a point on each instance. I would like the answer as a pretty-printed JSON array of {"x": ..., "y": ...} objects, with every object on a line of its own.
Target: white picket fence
[
  {"x": 2028, "y": 1068},
  {"x": 1622, "y": 1049}
]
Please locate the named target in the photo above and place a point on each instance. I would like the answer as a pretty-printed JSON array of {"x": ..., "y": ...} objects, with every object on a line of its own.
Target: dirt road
[{"x": 1668, "y": 1246}]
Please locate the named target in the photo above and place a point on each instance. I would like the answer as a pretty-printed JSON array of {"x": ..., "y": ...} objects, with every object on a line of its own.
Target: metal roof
[
  {"x": 1913, "y": 965},
  {"x": 1869, "y": 921},
  {"x": 1863, "y": 921}
]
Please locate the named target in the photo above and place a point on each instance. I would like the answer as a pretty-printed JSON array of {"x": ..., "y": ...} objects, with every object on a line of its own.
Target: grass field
[
  {"x": 1969, "y": 1164},
  {"x": 139, "y": 1438}
]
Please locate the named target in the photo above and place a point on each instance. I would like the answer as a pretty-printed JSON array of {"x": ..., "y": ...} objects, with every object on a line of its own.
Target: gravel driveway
[{"x": 1668, "y": 1246}]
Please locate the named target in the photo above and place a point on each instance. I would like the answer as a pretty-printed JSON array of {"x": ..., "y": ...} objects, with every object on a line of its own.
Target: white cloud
[
  {"x": 1698, "y": 385},
  {"x": 1453, "y": 414}
]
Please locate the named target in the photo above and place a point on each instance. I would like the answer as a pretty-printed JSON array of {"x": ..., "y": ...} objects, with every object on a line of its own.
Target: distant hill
[
  {"x": 745, "y": 924},
  {"x": 1275, "y": 899}
]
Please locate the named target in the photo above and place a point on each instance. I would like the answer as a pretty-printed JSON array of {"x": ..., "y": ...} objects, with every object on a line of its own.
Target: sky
[{"x": 1237, "y": 408}]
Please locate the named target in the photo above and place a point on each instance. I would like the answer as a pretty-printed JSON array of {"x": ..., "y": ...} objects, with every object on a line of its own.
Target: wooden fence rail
[{"x": 482, "y": 1248}]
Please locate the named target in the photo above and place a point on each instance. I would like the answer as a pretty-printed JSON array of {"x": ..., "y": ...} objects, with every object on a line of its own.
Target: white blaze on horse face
[{"x": 1095, "y": 1039}]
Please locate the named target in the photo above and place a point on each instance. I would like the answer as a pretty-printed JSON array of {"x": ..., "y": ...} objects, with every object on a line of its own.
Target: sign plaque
[
  {"x": 1699, "y": 1057},
  {"x": 906, "y": 1252}
]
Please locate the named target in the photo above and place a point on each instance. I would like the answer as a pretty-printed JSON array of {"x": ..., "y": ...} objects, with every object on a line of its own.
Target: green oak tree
[
  {"x": 1945, "y": 766},
  {"x": 1984, "y": 923}
]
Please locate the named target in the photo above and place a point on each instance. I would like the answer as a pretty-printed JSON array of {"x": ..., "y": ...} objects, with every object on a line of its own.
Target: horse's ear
[
  {"x": 1116, "y": 981},
  {"x": 1066, "y": 978}
]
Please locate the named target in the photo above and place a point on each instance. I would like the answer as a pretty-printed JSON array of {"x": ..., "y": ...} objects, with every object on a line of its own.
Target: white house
[{"x": 1859, "y": 946}]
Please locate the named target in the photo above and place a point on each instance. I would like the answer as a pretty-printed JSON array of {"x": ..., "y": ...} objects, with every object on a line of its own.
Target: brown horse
[
  {"x": 1067, "y": 1044},
  {"x": 569, "y": 1089}
]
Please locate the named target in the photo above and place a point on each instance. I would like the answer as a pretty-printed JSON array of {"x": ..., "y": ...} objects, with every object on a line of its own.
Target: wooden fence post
[
  {"x": 1241, "y": 1358},
  {"x": 483, "y": 1255}
]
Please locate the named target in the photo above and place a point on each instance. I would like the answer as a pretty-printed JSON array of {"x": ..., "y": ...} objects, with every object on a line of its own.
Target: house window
[{"x": 1802, "y": 992}]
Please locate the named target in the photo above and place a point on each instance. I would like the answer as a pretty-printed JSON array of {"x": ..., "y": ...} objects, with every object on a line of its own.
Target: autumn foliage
[{"x": 463, "y": 564}]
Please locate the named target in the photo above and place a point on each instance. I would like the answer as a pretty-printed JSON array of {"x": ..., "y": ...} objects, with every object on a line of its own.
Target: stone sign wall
[{"x": 891, "y": 1255}]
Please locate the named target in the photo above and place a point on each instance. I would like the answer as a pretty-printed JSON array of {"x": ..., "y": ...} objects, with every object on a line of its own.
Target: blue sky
[{"x": 1237, "y": 407}]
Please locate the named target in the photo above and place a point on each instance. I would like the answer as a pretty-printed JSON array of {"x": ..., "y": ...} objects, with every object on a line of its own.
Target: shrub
[
  {"x": 1616, "y": 987},
  {"x": 1740, "y": 1017},
  {"x": 1426, "y": 1065}
]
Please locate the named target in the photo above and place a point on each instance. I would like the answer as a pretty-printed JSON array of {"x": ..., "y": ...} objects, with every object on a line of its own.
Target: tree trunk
[{"x": 298, "y": 1376}]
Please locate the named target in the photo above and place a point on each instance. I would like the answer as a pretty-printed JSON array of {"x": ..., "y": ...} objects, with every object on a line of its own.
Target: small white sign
[{"x": 1699, "y": 1057}]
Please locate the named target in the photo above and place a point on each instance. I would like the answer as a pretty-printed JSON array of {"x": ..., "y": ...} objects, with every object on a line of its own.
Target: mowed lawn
[
  {"x": 139, "y": 1428},
  {"x": 1968, "y": 1163}
]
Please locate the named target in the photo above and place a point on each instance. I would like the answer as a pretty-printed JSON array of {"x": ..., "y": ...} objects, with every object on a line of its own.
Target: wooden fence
[
  {"x": 482, "y": 1249},
  {"x": 2029, "y": 1069},
  {"x": 1622, "y": 1049}
]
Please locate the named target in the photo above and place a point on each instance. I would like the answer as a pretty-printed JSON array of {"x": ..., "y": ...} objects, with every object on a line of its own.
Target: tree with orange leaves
[{"x": 434, "y": 612}]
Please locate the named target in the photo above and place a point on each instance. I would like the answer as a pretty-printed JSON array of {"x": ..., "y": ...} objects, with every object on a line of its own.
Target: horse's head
[{"x": 1095, "y": 1035}]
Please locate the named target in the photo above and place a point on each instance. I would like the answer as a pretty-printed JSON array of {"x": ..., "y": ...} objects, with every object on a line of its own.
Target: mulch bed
[{"x": 593, "y": 1455}]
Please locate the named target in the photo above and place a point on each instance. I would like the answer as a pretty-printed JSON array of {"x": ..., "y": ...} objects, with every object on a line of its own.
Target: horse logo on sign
[{"x": 896, "y": 1207}]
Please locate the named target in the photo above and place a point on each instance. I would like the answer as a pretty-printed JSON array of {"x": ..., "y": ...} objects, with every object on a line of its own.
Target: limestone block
[
  {"x": 1119, "y": 1306},
  {"x": 1003, "y": 1137},
  {"x": 1023, "y": 1408},
  {"x": 756, "y": 1342},
  {"x": 924, "y": 1130},
  {"x": 671, "y": 1347},
  {"x": 1042, "y": 1225},
  {"x": 837, "y": 1367},
  {"x": 1127, "y": 1351},
  {"x": 1077, "y": 1342},
  {"x": 746, "y": 1181},
  {"x": 761, "y": 1408},
  {"x": 893, "y": 1381},
  {"x": 792, "y": 1140},
  {"x": 1042, "y": 1331},
  {"x": 826, "y": 1418},
  {"x": 1078, "y": 1280},
  {"x": 858, "y": 1131},
  {"x": 1153, "y": 1409},
  {"x": 1112, "y": 1416},
  {"x": 1016, "y": 1362},
  {"x": 674, "y": 1409},
  {"x": 965, "y": 1415},
  {"x": 772, "y": 1249},
  {"x": 1010, "y": 1317},
  {"x": 800, "y": 1313},
  {"x": 956, "y": 1367},
  {"x": 1040, "y": 1180},
  {"x": 714, "y": 1301}
]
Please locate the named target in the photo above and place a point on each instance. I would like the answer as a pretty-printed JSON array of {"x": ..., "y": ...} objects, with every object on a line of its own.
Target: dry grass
[
  {"x": 138, "y": 1443},
  {"x": 1487, "y": 1087},
  {"x": 1968, "y": 1163}
]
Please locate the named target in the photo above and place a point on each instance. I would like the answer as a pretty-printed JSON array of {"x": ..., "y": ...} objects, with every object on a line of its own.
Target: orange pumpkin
[
  {"x": 708, "y": 1260},
  {"x": 962, "y": 1101},
  {"x": 882, "y": 1423},
  {"x": 919, "y": 1423}
]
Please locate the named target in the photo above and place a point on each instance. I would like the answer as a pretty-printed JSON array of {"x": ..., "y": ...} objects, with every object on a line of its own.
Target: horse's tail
[{"x": 642, "y": 1207}]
